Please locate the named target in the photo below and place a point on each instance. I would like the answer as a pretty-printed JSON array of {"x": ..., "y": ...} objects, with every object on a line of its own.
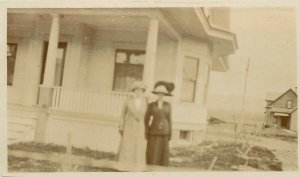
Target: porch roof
[
  {"x": 193, "y": 22},
  {"x": 177, "y": 23},
  {"x": 282, "y": 110}
]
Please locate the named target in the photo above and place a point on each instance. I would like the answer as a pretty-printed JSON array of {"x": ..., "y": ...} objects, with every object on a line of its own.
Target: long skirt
[
  {"x": 132, "y": 150},
  {"x": 158, "y": 150}
]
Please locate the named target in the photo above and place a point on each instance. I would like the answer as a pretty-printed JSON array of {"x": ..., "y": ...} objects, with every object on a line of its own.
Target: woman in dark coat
[{"x": 159, "y": 132}]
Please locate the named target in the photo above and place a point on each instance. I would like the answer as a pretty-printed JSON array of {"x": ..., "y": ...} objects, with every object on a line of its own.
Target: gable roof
[
  {"x": 271, "y": 96},
  {"x": 283, "y": 95}
]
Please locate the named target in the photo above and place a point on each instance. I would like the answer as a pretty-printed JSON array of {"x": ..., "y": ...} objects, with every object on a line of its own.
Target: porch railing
[{"x": 88, "y": 101}]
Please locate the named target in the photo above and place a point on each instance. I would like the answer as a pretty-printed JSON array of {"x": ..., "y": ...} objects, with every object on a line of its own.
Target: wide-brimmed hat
[
  {"x": 138, "y": 84},
  {"x": 164, "y": 88}
]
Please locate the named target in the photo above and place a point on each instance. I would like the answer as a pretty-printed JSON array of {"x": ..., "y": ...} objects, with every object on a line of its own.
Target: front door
[{"x": 285, "y": 122}]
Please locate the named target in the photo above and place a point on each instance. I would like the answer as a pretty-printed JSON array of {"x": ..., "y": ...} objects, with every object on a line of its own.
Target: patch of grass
[
  {"x": 54, "y": 148},
  {"x": 38, "y": 147},
  {"x": 17, "y": 164}
]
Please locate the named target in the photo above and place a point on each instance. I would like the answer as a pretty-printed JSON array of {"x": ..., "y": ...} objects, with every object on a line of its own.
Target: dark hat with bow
[{"x": 163, "y": 87}]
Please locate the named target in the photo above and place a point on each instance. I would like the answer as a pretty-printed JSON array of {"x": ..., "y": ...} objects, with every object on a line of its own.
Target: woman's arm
[
  {"x": 147, "y": 119},
  {"x": 170, "y": 121},
  {"x": 122, "y": 119}
]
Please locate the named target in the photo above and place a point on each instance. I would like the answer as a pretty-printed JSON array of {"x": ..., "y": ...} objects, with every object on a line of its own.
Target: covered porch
[{"x": 72, "y": 60}]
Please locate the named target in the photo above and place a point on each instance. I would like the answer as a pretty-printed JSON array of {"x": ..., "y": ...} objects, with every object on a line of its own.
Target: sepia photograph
[{"x": 164, "y": 89}]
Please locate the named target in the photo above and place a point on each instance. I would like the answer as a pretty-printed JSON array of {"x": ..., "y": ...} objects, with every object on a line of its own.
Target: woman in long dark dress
[{"x": 159, "y": 132}]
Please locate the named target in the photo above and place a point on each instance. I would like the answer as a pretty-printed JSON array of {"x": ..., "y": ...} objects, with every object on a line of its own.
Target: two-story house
[
  {"x": 281, "y": 110},
  {"x": 69, "y": 70}
]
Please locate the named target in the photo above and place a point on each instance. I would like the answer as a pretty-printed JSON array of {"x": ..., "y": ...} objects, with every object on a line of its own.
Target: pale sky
[{"x": 267, "y": 36}]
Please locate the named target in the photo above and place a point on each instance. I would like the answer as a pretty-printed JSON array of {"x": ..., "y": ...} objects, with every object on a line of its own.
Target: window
[
  {"x": 129, "y": 66},
  {"x": 190, "y": 72},
  {"x": 289, "y": 104},
  {"x": 11, "y": 61},
  {"x": 184, "y": 135}
]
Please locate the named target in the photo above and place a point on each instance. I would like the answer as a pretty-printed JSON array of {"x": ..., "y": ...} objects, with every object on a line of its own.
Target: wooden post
[
  {"x": 241, "y": 120},
  {"x": 67, "y": 161},
  {"x": 45, "y": 92},
  {"x": 212, "y": 164},
  {"x": 52, "y": 52},
  {"x": 49, "y": 75}
]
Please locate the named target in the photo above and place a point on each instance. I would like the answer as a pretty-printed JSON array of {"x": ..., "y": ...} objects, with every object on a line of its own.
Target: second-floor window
[{"x": 289, "y": 104}]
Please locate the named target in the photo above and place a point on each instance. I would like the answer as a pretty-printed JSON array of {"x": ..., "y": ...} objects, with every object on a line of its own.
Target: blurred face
[
  {"x": 160, "y": 96},
  {"x": 138, "y": 91}
]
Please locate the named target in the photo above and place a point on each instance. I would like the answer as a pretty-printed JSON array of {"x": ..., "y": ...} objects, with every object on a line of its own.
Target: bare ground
[
  {"x": 283, "y": 145},
  {"x": 272, "y": 147}
]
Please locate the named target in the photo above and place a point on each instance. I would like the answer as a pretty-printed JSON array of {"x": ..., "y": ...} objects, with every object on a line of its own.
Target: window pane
[
  {"x": 121, "y": 57},
  {"x": 190, "y": 68},
  {"x": 188, "y": 90},
  {"x": 137, "y": 58},
  {"x": 11, "y": 60},
  {"x": 190, "y": 72}
]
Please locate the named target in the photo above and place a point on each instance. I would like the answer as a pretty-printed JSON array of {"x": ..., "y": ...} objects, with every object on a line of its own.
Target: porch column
[
  {"x": 45, "y": 94},
  {"x": 49, "y": 75},
  {"x": 151, "y": 47},
  {"x": 33, "y": 65}
]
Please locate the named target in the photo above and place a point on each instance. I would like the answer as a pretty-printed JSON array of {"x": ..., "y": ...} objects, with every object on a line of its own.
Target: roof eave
[{"x": 215, "y": 32}]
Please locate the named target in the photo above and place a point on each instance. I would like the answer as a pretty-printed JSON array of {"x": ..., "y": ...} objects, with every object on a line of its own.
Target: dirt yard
[
  {"x": 281, "y": 143},
  {"x": 274, "y": 150}
]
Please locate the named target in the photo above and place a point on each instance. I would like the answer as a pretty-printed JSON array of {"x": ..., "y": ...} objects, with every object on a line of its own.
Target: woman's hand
[{"x": 121, "y": 132}]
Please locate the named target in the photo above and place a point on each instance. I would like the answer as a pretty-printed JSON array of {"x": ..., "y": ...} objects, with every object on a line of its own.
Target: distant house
[
  {"x": 281, "y": 110},
  {"x": 70, "y": 70}
]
